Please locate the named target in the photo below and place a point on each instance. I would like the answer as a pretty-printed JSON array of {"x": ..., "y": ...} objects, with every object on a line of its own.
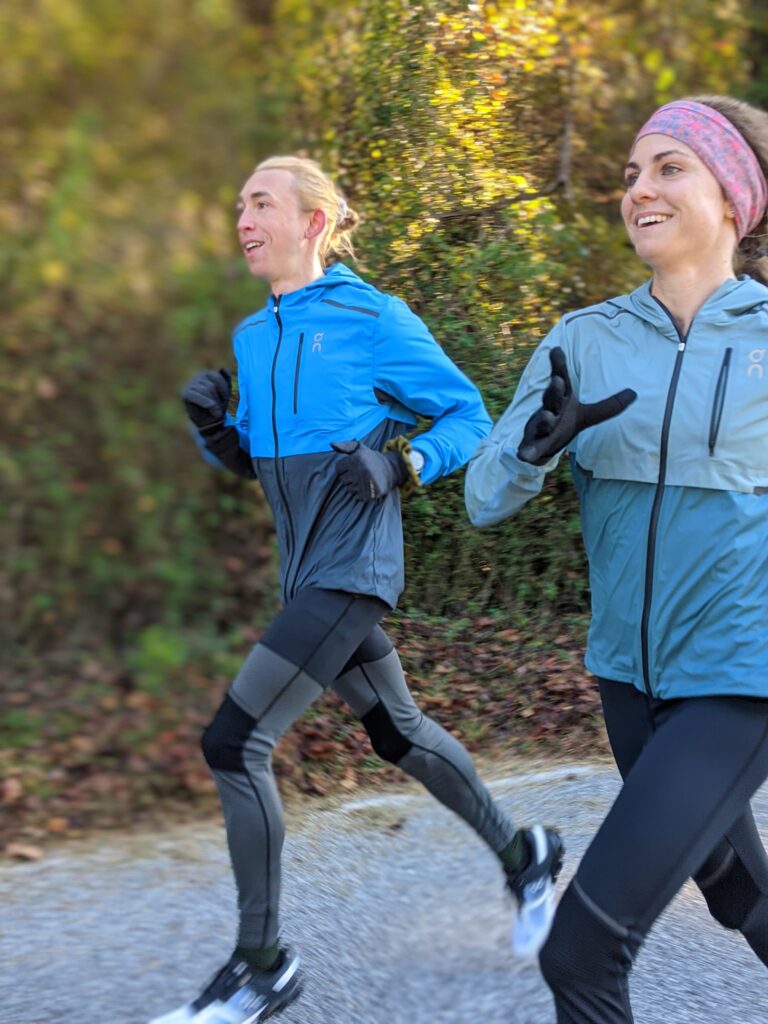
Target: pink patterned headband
[{"x": 723, "y": 149}]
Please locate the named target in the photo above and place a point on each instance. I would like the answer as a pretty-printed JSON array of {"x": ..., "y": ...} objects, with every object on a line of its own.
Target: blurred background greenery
[{"x": 482, "y": 143}]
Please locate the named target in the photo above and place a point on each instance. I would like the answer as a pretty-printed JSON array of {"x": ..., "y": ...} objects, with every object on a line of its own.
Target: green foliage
[
  {"x": 18, "y": 728},
  {"x": 481, "y": 142},
  {"x": 158, "y": 653},
  {"x": 130, "y": 128},
  {"x": 755, "y": 51},
  {"x": 466, "y": 135}
]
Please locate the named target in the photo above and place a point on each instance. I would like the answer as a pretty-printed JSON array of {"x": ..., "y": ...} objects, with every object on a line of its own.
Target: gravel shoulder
[{"x": 397, "y": 908}]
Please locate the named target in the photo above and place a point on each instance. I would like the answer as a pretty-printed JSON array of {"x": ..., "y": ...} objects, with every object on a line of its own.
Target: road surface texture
[{"x": 398, "y": 911}]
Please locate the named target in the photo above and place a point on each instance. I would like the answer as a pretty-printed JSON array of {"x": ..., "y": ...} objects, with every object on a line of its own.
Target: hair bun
[{"x": 348, "y": 220}]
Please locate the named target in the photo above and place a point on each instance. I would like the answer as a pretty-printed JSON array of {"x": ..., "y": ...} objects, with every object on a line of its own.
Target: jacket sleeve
[
  {"x": 497, "y": 483},
  {"x": 411, "y": 366}
]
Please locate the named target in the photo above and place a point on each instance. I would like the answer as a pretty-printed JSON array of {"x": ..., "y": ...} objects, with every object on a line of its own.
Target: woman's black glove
[
  {"x": 369, "y": 474},
  {"x": 206, "y": 398},
  {"x": 562, "y": 415}
]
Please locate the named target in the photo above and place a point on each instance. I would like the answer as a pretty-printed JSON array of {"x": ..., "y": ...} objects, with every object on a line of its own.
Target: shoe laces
[{"x": 228, "y": 979}]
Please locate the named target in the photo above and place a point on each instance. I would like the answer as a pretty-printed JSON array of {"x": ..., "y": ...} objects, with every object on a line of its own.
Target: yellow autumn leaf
[{"x": 53, "y": 272}]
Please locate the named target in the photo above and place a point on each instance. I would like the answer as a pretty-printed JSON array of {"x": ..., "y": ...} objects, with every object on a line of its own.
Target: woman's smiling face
[{"x": 674, "y": 209}]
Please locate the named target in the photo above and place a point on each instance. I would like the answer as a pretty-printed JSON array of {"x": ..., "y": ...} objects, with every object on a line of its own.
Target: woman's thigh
[
  {"x": 628, "y": 721},
  {"x": 686, "y": 784}
]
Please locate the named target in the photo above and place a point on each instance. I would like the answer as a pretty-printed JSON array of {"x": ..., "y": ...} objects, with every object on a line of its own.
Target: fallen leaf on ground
[{"x": 23, "y": 851}]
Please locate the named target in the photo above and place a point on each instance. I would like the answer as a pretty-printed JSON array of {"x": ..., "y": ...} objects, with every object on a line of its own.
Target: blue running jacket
[
  {"x": 340, "y": 361},
  {"x": 673, "y": 491}
]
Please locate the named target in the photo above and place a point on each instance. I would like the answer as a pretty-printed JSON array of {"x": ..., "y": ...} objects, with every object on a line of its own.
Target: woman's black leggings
[{"x": 690, "y": 767}]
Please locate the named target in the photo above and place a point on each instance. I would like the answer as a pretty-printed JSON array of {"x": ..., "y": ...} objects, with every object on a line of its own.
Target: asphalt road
[{"x": 398, "y": 911}]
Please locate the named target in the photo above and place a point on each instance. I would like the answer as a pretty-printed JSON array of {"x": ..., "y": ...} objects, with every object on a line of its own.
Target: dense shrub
[{"x": 480, "y": 142}]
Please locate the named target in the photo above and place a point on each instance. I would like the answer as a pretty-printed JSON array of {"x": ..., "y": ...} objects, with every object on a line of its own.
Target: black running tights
[{"x": 690, "y": 767}]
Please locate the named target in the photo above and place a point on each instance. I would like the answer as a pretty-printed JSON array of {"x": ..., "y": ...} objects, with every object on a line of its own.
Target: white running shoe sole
[
  {"x": 220, "y": 1013},
  {"x": 184, "y": 1015}
]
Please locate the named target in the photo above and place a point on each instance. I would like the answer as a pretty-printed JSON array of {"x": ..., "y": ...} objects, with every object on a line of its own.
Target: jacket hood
[{"x": 733, "y": 298}]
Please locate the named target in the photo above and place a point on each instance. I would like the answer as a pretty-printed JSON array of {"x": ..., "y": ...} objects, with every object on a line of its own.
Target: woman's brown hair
[{"x": 751, "y": 256}]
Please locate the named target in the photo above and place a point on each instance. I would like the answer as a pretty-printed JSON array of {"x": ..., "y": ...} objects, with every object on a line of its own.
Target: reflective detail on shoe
[
  {"x": 286, "y": 976},
  {"x": 538, "y": 837},
  {"x": 534, "y": 891}
]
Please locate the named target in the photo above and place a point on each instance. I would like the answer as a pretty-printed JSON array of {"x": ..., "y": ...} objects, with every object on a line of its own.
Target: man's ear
[{"x": 317, "y": 222}]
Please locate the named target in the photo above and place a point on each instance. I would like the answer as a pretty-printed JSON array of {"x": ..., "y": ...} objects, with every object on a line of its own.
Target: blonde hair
[
  {"x": 317, "y": 192},
  {"x": 751, "y": 256}
]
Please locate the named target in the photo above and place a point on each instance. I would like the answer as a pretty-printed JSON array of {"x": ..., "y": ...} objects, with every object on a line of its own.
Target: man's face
[{"x": 271, "y": 225}]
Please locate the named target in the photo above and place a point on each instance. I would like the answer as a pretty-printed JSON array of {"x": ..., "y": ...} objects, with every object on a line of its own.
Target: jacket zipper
[
  {"x": 278, "y": 477},
  {"x": 296, "y": 375},
  {"x": 653, "y": 526},
  {"x": 719, "y": 400}
]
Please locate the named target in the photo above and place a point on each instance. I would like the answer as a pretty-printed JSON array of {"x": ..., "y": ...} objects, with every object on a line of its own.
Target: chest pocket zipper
[
  {"x": 718, "y": 403},
  {"x": 298, "y": 371}
]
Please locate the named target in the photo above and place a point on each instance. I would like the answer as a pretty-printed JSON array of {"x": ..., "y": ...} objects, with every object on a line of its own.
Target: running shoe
[
  {"x": 534, "y": 890},
  {"x": 238, "y": 994}
]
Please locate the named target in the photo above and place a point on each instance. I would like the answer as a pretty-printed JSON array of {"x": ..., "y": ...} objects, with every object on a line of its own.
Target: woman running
[{"x": 672, "y": 477}]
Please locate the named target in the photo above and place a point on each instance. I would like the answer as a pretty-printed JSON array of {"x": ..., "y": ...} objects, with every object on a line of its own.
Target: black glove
[
  {"x": 562, "y": 415},
  {"x": 206, "y": 398},
  {"x": 369, "y": 474}
]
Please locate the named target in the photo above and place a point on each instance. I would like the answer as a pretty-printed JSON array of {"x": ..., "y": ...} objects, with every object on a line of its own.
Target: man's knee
[
  {"x": 386, "y": 739},
  {"x": 731, "y": 894},
  {"x": 225, "y": 738}
]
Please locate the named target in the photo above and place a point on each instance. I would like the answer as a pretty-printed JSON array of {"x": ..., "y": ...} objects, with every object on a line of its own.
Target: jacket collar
[
  {"x": 333, "y": 276},
  {"x": 733, "y": 298}
]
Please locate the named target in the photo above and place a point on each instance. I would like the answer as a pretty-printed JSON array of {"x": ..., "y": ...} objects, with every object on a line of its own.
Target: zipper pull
[{"x": 680, "y": 345}]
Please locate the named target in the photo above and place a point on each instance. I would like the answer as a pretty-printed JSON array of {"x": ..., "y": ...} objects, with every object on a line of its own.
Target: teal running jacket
[
  {"x": 339, "y": 360},
  {"x": 673, "y": 491}
]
